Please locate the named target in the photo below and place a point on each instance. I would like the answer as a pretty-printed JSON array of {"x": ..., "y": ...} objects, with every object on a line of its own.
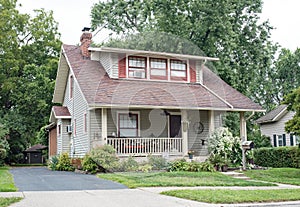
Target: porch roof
[
  {"x": 99, "y": 90},
  {"x": 59, "y": 112}
]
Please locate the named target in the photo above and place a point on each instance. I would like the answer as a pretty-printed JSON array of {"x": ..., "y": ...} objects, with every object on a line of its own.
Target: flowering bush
[{"x": 224, "y": 144}]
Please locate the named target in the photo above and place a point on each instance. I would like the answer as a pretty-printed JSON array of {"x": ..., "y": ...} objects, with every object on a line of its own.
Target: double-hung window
[
  {"x": 137, "y": 67},
  {"x": 158, "y": 68},
  {"x": 128, "y": 125},
  {"x": 178, "y": 70}
]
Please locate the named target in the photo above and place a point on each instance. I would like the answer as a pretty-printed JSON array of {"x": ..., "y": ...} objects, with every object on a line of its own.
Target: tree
[
  {"x": 29, "y": 49},
  {"x": 293, "y": 102}
]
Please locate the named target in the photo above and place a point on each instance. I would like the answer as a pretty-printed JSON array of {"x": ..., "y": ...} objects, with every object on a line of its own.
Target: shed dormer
[{"x": 149, "y": 65}]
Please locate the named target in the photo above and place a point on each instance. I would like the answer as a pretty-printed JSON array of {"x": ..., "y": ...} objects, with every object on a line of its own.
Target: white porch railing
[{"x": 145, "y": 146}]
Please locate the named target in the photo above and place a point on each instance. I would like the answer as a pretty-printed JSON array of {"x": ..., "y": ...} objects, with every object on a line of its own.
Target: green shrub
[
  {"x": 182, "y": 165},
  {"x": 89, "y": 165},
  {"x": 157, "y": 162},
  {"x": 178, "y": 165},
  {"x": 64, "y": 163},
  {"x": 105, "y": 156},
  {"x": 129, "y": 164},
  {"x": 52, "y": 163},
  {"x": 277, "y": 157},
  {"x": 145, "y": 168}
]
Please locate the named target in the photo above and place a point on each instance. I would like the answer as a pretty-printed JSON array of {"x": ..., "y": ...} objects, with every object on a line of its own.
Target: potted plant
[
  {"x": 191, "y": 154},
  {"x": 215, "y": 160}
]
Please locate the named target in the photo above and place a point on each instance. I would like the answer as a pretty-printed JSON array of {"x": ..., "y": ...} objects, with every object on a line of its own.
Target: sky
[{"x": 73, "y": 15}]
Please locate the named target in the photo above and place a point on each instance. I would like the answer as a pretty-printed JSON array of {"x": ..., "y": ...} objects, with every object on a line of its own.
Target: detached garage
[{"x": 34, "y": 155}]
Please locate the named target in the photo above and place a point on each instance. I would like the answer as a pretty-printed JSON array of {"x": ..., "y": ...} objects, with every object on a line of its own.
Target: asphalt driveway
[{"x": 42, "y": 179}]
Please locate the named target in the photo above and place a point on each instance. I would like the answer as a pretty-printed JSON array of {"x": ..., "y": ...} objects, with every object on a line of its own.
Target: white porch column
[
  {"x": 184, "y": 129},
  {"x": 243, "y": 135},
  {"x": 104, "y": 125},
  {"x": 211, "y": 115}
]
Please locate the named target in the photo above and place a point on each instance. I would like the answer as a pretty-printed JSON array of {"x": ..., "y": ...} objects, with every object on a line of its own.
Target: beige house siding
[
  {"x": 277, "y": 128},
  {"x": 95, "y": 128}
]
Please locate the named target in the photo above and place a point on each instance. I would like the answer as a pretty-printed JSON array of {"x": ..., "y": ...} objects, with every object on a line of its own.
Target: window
[
  {"x": 71, "y": 86},
  {"x": 158, "y": 68},
  {"x": 280, "y": 140},
  {"x": 178, "y": 70},
  {"x": 137, "y": 67},
  {"x": 59, "y": 129},
  {"x": 128, "y": 125}
]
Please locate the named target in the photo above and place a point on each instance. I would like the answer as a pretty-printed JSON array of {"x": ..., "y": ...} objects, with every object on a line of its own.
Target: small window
[
  {"x": 59, "y": 129},
  {"x": 137, "y": 67},
  {"x": 280, "y": 140},
  {"x": 158, "y": 68},
  {"x": 71, "y": 86},
  {"x": 128, "y": 125},
  {"x": 178, "y": 70}
]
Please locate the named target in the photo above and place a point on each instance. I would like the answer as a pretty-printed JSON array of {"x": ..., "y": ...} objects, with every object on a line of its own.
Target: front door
[{"x": 175, "y": 125}]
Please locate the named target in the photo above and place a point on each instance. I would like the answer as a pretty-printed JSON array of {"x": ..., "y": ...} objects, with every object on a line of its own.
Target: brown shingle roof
[
  {"x": 272, "y": 115},
  {"x": 36, "y": 148},
  {"x": 60, "y": 111},
  {"x": 100, "y": 90}
]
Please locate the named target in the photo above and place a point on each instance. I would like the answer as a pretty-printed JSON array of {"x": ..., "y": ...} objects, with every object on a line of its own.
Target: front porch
[{"x": 143, "y": 132}]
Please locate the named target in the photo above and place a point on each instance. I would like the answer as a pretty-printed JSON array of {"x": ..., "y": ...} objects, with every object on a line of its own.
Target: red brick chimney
[{"x": 85, "y": 39}]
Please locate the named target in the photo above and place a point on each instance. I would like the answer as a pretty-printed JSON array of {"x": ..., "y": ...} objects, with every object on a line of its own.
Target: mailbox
[{"x": 247, "y": 145}]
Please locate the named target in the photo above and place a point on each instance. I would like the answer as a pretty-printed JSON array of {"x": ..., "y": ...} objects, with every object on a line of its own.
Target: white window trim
[
  {"x": 127, "y": 112},
  {"x": 277, "y": 140},
  {"x": 71, "y": 92}
]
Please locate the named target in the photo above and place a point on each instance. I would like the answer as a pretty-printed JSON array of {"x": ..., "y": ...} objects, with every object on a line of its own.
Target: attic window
[
  {"x": 71, "y": 86},
  {"x": 137, "y": 67},
  {"x": 178, "y": 70},
  {"x": 158, "y": 68}
]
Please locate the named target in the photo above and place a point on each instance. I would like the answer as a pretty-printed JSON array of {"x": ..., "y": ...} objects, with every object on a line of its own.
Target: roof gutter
[{"x": 130, "y": 51}]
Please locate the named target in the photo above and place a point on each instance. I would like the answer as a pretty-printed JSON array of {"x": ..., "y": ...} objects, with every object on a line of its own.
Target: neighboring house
[
  {"x": 272, "y": 125},
  {"x": 140, "y": 102}
]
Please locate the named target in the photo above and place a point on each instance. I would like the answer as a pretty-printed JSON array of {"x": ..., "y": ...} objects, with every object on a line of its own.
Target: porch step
[{"x": 237, "y": 175}]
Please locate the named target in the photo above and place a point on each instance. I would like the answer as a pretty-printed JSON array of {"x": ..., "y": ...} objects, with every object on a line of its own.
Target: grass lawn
[
  {"x": 7, "y": 201},
  {"x": 6, "y": 181},
  {"x": 164, "y": 179},
  {"x": 278, "y": 175},
  {"x": 236, "y": 196}
]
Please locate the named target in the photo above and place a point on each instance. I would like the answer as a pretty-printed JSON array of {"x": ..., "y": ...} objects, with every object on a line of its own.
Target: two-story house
[{"x": 140, "y": 102}]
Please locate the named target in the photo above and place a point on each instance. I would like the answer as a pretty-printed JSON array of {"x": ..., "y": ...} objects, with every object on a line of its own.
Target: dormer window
[
  {"x": 178, "y": 70},
  {"x": 137, "y": 67},
  {"x": 158, "y": 68}
]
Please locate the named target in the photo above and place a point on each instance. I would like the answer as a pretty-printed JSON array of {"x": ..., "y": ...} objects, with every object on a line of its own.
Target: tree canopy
[
  {"x": 29, "y": 49},
  {"x": 293, "y": 102}
]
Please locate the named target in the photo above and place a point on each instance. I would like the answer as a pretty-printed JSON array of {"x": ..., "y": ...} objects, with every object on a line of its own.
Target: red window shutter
[
  {"x": 193, "y": 71},
  {"x": 122, "y": 66}
]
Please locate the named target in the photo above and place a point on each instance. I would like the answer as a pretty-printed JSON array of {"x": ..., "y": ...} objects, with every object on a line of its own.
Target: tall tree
[
  {"x": 29, "y": 48},
  {"x": 293, "y": 102}
]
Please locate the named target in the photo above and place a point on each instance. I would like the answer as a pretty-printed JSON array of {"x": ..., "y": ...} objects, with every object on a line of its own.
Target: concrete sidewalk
[{"x": 141, "y": 197}]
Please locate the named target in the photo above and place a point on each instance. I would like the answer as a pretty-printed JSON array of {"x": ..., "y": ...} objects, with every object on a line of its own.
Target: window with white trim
[
  {"x": 137, "y": 67},
  {"x": 280, "y": 140},
  {"x": 127, "y": 125},
  {"x": 71, "y": 86},
  {"x": 158, "y": 68},
  {"x": 178, "y": 70}
]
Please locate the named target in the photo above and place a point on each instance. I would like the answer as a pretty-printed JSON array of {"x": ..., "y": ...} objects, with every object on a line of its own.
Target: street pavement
[{"x": 55, "y": 189}]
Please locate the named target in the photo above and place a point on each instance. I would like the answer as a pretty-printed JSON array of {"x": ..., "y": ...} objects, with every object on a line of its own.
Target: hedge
[{"x": 277, "y": 157}]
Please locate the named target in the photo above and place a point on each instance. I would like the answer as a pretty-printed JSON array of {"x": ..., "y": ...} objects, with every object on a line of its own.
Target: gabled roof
[
  {"x": 101, "y": 91},
  {"x": 273, "y": 115},
  {"x": 36, "y": 148},
  {"x": 59, "y": 112}
]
